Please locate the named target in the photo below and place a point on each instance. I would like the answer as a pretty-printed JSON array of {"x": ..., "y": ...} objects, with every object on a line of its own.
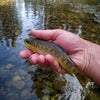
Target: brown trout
[{"x": 44, "y": 48}]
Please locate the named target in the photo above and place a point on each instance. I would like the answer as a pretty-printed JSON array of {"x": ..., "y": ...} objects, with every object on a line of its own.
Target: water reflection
[
  {"x": 9, "y": 24},
  {"x": 72, "y": 19},
  {"x": 32, "y": 13},
  {"x": 64, "y": 16}
]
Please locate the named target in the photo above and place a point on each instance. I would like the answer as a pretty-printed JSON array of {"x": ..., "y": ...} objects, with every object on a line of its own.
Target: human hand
[
  {"x": 73, "y": 44},
  {"x": 85, "y": 54}
]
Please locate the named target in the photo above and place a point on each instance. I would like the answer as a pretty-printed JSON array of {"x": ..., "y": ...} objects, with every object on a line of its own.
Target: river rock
[
  {"x": 9, "y": 66},
  {"x": 24, "y": 93},
  {"x": 19, "y": 84},
  {"x": 16, "y": 78},
  {"x": 22, "y": 72},
  {"x": 12, "y": 96}
]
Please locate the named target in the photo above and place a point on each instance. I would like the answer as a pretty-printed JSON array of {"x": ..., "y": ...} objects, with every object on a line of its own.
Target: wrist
[{"x": 91, "y": 64}]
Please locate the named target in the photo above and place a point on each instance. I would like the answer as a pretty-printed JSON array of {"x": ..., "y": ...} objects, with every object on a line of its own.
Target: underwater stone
[
  {"x": 24, "y": 93},
  {"x": 10, "y": 94},
  {"x": 16, "y": 78},
  {"x": 19, "y": 84},
  {"x": 22, "y": 72},
  {"x": 9, "y": 66}
]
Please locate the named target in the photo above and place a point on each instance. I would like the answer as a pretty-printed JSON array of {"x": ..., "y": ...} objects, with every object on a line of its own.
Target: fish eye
[
  {"x": 29, "y": 42},
  {"x": 26, "y": 41}
]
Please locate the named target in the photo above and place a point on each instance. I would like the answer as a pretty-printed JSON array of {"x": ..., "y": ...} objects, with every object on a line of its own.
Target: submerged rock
[
  {"x": 24, "y": 93},
  {"x": 16, "y": 78},
  {"x": 9, "y": 66},
  {"x": 22, "y": 72},
  {"x": 12, "y": 96},
  {"x": 19, "y": 84}
]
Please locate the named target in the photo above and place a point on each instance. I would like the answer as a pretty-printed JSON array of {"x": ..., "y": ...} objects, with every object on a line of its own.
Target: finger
[
  {"x": 45, "y": 34},
  {"x": 42, "y": 61},
  {"x": 54, "y": 64},
  {"x": 25, "y": 53},
  {"x": 34, "y": 58}
]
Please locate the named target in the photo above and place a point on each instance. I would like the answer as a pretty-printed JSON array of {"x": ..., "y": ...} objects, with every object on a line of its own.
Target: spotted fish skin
[{"x": 44, "y": 48}]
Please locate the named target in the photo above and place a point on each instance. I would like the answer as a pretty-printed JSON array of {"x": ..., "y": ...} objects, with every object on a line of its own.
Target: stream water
[{"x": 21, "y": 81}]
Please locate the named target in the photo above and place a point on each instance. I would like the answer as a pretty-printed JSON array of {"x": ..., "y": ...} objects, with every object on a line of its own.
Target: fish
[{"x": 60, "y": 54}]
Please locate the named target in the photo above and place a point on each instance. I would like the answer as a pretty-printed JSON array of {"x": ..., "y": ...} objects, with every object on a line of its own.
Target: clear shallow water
[{"x": 18, "y": 80}]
